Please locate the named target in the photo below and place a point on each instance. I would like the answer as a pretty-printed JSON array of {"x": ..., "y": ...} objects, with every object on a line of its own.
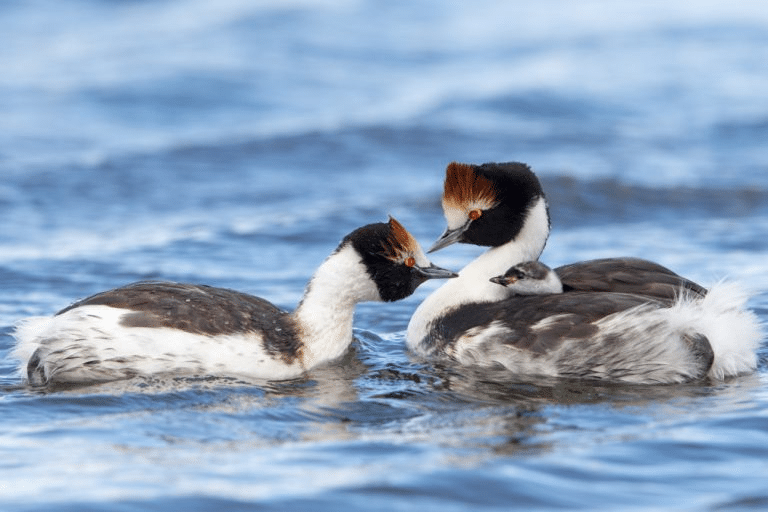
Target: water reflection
[{"x": 376, "y": 394}]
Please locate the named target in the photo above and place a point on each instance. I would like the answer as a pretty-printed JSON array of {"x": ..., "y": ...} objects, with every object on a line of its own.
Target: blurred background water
[{"x": 234, "y": 143}]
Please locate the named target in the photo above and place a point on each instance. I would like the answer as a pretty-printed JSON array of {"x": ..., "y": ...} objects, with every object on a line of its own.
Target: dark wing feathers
[
  {"x": 573, "y": 315},
  {"x": 626, "y": 275},
  {"x": 202, "y": 310},
  {"x": 540, "y": 324}
]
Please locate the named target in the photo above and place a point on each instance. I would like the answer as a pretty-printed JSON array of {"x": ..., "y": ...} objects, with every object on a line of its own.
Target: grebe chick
[
  {"x": 530, "y": 278},
  {"x": 150, "y": 328},
  {"x": 663, "y": 325}
]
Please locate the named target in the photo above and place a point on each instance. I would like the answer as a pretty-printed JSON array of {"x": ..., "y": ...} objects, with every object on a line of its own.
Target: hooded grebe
[
  {"x": 150, "y": 328},
  {"x": 622, "y": 319}
]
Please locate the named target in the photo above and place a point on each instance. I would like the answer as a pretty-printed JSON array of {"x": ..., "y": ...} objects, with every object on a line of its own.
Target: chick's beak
[{"x": 503, "y": 280}]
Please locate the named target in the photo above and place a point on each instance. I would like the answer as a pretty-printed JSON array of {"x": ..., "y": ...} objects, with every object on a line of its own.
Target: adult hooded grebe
[
  {"x": 150, "y": 328},
  {"x": 622, "y": 319}
]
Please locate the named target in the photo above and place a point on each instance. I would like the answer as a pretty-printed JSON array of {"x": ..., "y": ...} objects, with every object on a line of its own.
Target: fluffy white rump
[{"x": 734, "y": 332}]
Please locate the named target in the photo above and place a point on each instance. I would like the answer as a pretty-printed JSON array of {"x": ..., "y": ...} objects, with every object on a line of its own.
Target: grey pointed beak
[
  {"x": 503, "y": 280},
  {"x": 449, "y": 237},
  {"x": 435, "y": 272}
]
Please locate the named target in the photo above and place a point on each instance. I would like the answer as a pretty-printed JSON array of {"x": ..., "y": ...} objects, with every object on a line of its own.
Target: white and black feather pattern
[
  {"x": 607, "y": 336},
  {"x": 622, "y": 319},
  {"x": 201, "y": 309},
  {"x": 151, "y": 328}
]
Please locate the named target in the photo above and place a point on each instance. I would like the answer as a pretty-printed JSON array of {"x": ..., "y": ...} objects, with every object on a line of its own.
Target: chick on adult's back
[{"x": 622, "y": 319}]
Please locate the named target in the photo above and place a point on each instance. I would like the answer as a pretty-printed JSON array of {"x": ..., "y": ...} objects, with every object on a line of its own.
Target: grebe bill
[
  {"x": 502, "y": 206},
  {"x": 150, "y": 328}
]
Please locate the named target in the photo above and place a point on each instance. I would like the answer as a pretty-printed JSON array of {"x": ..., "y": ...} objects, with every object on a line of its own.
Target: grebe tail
[{"x": 151, "y": 328}]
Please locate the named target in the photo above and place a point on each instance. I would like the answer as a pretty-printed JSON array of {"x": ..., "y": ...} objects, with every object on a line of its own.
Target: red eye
[
  {"x": 475, "y": 214},
  {"x": 410, "y": 261}
]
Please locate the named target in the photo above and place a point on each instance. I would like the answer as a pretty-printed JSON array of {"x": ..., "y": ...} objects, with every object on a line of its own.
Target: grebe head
[
  {"x": 530, "y": 278},
  {"x": 393, "y": 259},
  {"x": 492, "y": 204}
]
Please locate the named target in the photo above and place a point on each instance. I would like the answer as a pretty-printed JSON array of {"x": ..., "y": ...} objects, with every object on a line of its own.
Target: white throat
[
  {"x": 473, "y": 283},
  {"x": 326, "y": 311}
]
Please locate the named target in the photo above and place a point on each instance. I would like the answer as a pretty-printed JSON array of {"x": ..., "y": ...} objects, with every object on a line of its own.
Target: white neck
[
  {"x": 326, "y": 311},
  {"x": 473, "y": 283}
]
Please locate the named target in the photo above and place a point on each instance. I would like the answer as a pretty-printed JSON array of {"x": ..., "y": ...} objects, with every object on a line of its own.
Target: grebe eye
[
  {"x": 475, "y": 214},
  {"x": 410, "y": 261}
]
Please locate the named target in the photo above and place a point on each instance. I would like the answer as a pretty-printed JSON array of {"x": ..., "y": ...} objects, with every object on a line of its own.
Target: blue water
[{"x": 235, "y": 143}]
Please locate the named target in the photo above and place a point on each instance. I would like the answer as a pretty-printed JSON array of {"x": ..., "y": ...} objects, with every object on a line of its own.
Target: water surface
[{"x": 235, "y": 143}]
